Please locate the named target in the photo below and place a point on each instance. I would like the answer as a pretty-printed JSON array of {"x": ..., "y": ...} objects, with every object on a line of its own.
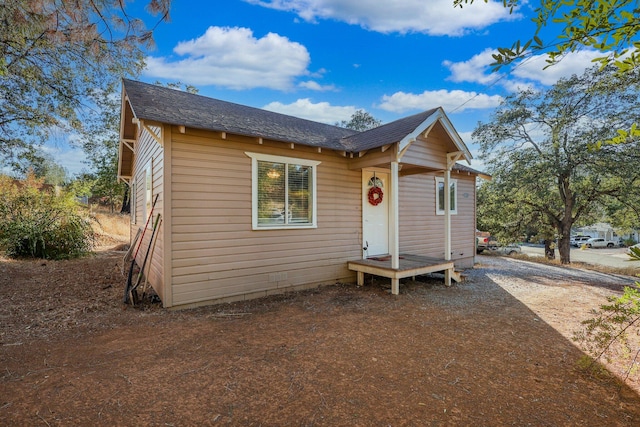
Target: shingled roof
[
  {"x": 175, "y": 107},
  {"x": 467, "y": 169},
  {"x": 387, "y": 133}
]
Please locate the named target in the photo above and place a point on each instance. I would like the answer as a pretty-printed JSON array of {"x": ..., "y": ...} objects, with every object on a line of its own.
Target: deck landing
[{"x": 410, "y": 265}]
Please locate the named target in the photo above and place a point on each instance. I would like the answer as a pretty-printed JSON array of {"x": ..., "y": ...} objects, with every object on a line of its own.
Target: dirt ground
[{"x": 493, "y": 350}]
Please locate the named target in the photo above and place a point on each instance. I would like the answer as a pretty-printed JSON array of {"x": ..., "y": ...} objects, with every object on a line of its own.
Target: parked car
[
  {"x": 511, "y": 249},
  {"x": 578, "y": 240},
  {"x": 484, "y": 242},
  {"x": 598, "y": 242}
]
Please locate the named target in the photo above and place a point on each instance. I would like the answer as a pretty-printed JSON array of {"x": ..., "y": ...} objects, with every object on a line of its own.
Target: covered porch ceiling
[{"x": 128, "y": 136}]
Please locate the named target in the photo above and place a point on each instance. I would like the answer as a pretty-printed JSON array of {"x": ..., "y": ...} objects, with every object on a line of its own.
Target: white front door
[{"x": 375, "y": 212}]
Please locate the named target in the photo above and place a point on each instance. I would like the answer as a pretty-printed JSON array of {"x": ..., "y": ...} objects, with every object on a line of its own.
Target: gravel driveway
[{"x": 507, "y": 271}]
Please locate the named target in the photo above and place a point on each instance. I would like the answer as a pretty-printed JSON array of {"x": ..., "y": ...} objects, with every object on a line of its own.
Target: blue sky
[{"x": 325, "y": 59}]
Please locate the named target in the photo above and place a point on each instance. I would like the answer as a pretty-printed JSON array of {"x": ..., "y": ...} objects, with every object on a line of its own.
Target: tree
[
  {"x": 178, "y": 86},
  {"x": 509, "y": 221},
  {"x": 360, "y": 121},
  {"x": 609, "y": 26},
  {"x": 100, "y": 142},
  {"x": 38, "y": 221},
  {"x": 106, "y": 185},
  {"x": 541, "y": 148},
  {"x": 42, "y": 165},
  {"x": 56, "y": 56}
]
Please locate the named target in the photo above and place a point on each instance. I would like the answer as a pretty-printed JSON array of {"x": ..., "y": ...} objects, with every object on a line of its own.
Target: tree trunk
[
  {"x": 563, "y": 225},
  {"x": 126, "y": 202},
  {"x": 564, "y": 247}
]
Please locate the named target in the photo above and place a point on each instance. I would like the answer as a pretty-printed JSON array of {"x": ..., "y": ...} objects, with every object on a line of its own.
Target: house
[
  {"x": 255, "y": 202},
  {"x": 605, "y": 231},
  {"x": 600, "y": 230}
]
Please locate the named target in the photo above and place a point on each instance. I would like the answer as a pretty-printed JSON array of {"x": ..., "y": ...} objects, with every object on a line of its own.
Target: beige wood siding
[
  {"x": 430, "y": 152},
  {"x": 215, "y": 252},
  {"x": 422, "y": 231},
  {"x": 149, "y": 151}
]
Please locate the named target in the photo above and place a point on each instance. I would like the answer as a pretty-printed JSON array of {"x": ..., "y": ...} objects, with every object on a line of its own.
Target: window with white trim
[
  {"x": 283, "y": 192},
  {"x": 453, "y": 188}
]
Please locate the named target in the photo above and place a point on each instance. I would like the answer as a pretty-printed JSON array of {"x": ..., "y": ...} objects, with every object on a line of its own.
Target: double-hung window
[
  {"x": 283, "y": 192},
  {"x": 453, "y": 191}
]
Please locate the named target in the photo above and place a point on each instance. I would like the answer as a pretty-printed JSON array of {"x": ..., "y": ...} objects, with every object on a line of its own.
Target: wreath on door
[{"x": 375, "y": 195}]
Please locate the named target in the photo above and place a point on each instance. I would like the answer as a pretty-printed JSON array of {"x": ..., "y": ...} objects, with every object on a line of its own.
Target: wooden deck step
[{"x": 457, "y": 276}]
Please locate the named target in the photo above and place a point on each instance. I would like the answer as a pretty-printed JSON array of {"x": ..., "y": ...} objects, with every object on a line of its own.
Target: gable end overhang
[{"x": 129, "y": 126}]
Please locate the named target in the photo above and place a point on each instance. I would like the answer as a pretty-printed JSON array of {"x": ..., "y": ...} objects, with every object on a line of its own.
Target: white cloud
[
  {"x": 526, "y": 74},
  {"x": 433, "y": 17},
  {"x": 572, "y": 63},
  {"x": 475, "y": 70},
  {"x": 234, "y": 58},
  {"x": 311, "y": 85},
  {"x": 322, "y": 112},
  {"x": 450, "y": 100}
]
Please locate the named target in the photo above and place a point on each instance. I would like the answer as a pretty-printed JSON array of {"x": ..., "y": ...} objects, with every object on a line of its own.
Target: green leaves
[
  {"x": 623, "y": 136},
  {"x": 360, "y": 121},
  {"x": 55, "y": 56},
  {"x": 36, "y": 221},
  {"x": 608, "y": 330}
]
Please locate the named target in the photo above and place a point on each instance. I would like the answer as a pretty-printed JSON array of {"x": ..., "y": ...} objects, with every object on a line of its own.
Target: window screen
[{"x": 284, "y": 194}]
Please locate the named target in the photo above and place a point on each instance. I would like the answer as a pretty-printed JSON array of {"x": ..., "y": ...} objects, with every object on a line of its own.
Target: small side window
[{"x": 453, "y": 188}]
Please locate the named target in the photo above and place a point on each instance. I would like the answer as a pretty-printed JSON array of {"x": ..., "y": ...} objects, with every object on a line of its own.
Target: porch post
[
  {"x": 394, "y": 229},
  {"x": 447, "y": 215},
  {"x": 452, "y": 158},
  {"x": 447, "y": 224}
]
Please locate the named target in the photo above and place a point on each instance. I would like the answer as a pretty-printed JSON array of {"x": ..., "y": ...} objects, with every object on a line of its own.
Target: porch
[{"x": 409, "y": 266}]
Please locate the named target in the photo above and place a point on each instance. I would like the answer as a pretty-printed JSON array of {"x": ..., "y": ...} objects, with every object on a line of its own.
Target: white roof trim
[{"x": 438, "y": 115}]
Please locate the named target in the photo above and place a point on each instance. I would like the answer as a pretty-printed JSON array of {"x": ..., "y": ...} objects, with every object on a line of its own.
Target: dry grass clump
[{"x": 110, "y": 228}]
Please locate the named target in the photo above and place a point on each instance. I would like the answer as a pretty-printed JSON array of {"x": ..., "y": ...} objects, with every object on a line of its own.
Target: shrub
[
  {"x": 614, "y": 329},
  {"x": 40, "y": 221}
]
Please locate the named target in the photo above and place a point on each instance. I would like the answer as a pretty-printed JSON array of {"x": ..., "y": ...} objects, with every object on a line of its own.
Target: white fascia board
[
  {"x": 438, "y": 115},
  {"x": 120, "y": 147}
]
